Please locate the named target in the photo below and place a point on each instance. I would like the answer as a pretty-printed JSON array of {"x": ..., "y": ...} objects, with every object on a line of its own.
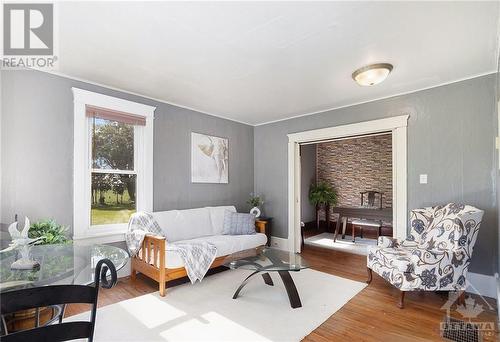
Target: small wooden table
[
  {"x": 384, "y": 214},
  {"x": 264, "y": 223}
]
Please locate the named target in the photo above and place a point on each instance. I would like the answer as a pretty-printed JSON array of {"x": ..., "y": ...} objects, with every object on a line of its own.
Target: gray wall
[
  {"x": 308, "y": 177},
  {"x": 450, "y": 137},
  {"x": 451, "y": 134},
  {"x": 37, "y": 150}
]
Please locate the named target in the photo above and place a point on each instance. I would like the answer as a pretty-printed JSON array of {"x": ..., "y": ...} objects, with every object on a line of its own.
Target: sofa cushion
[
  {"x": 226, "y": 244},
  {"x": 184, "y": 224},
  {"x": 239, "y": 223},
  {"x": 217, "y": 217}
]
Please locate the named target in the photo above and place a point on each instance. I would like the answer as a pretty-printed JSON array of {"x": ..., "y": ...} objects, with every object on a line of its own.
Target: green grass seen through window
[{"x": 113, "y": 210}]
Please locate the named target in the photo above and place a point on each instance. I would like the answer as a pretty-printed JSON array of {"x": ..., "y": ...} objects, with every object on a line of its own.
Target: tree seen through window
[{"x": 113, "y": 174}]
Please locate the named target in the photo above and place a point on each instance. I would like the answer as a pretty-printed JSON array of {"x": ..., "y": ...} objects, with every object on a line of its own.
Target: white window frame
[{"x": 82, "y": 166}]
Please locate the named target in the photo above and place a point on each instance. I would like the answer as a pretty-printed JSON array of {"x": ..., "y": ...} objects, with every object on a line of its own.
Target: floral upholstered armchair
[{"x": 435, "y": 256}]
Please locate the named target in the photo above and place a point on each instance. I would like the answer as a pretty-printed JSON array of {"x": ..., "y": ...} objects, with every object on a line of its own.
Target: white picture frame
[{"x": 209, "y": 159}]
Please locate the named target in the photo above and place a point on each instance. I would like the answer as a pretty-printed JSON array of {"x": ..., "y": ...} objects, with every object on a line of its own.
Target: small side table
[{"x": 265, "y": 224}]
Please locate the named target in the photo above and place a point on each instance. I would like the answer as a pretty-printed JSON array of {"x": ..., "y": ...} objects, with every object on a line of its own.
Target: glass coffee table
[{"x": 265, "y": 260}]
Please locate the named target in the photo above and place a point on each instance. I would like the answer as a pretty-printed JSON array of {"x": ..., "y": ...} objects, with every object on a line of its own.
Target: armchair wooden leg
[
  {"x": 369, "y": 275},
  {"x": 401, "y": 303},
  {"x": 461, "y": 298}
]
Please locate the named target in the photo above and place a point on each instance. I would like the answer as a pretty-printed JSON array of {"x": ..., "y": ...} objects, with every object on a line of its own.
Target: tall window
[
  {"x": 112, "y": 166},
  {"x": 113, "y": 173}
]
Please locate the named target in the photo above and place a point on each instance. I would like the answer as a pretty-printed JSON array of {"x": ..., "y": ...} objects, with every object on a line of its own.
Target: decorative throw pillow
[{"x": 238, "y": 223}]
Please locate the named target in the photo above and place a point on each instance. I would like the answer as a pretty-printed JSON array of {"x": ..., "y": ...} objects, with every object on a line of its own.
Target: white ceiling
[{"x": 257, "y": 62}]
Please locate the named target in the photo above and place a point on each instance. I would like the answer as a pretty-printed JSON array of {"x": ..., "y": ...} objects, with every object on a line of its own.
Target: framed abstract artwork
[{"x": 209, "y": 159}]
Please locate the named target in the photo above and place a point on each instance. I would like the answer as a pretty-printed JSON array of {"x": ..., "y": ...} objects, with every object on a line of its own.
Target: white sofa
[{"x": 201, "y": 224}]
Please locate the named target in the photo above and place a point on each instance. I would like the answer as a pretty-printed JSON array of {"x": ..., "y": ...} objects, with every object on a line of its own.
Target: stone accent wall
[{"x": 355, "y": 165}]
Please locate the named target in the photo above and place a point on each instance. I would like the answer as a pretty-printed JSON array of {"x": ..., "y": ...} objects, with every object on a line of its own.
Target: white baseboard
[
  {"x": 482, "y": 284},
  {"x": 279, "y": 243}
]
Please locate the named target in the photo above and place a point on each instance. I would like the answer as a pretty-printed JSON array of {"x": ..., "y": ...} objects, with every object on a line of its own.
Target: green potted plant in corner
[
  {"x": 322, "y": 195},
  {"x": 255, "y": 201}
]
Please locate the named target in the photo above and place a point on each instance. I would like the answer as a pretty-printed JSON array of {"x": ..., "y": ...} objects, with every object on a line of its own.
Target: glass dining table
[{"x": 62, "y": 264}]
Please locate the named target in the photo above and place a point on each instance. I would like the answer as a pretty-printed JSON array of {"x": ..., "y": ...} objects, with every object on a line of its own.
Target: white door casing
[{"x": 397, "y": 125}]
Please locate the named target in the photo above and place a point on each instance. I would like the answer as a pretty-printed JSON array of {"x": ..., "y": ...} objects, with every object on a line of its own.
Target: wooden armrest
[
  {"x": 156, "y": 237},
  {"x": 153, "y": 251}
]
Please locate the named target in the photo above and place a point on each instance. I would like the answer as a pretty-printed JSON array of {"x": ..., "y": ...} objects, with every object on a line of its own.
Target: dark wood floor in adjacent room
[{"x": 371, "y": 315}]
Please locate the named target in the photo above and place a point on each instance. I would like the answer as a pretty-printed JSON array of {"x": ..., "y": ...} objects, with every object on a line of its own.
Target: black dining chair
[{"x": 49, "y": 296}]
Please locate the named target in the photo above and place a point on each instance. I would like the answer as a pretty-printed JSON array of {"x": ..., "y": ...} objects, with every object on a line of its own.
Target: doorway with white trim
[
  {"x": 395, "y": 127},
  {"x": 346, "y": 192}
]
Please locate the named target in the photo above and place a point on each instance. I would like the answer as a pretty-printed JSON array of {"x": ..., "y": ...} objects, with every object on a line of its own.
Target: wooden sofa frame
[{"x": 154, "y": 246}]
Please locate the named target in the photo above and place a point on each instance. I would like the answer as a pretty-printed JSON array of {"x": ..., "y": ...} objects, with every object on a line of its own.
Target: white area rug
[
  {"x": 206, "y": 311},
  {"x": 346, "y": 245}
]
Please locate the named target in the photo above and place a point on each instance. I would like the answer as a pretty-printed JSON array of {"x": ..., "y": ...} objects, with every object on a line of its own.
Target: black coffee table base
[{"x": 291, "y": 289}]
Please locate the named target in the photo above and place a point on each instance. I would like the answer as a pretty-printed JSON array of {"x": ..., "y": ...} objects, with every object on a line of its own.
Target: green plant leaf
[
  {"x": 50, "y": 232},
  {"x": 322, "y": 194}
]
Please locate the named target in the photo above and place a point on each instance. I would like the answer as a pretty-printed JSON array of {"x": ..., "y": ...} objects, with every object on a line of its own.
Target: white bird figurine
[{"x": 19, "y": 238}]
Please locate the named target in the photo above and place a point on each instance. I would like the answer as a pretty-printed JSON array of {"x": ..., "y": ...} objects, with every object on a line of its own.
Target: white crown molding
[
  {"x": 59, "y": 74},
  {"x": 377, "y": 99}
]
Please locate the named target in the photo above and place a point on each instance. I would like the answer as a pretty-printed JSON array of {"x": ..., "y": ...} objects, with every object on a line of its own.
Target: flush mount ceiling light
[{"x": 372, "y": 74}]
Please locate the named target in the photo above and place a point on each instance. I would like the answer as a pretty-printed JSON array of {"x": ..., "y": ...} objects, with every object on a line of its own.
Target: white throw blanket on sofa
[{"x": 197, "y": 256}]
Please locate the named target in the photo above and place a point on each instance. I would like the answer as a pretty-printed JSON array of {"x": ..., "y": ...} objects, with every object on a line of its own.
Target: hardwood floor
[{"x": 372, "y": 315}]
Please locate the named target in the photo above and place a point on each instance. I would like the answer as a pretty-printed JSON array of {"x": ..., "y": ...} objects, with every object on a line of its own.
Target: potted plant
[
  {"x": 50, "y": 231},
  {"x": 255, "y": 201},
  {"x": 322, "y": 195}
]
